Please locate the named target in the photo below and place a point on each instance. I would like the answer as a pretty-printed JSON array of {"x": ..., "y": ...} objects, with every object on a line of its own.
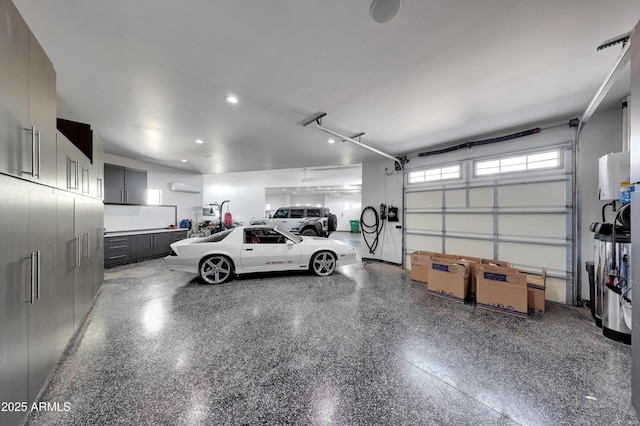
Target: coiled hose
[{"x": 369, "y": 230}]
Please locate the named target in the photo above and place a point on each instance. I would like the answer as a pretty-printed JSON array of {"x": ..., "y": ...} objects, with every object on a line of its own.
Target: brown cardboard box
[
  {"x": 474, "y": 264},
  {"x": 449, "y": 278},
  {"x": 494, "y": 262},
  {"x": 536, "y": 285},
  {"x": 420, "y": 265},
  {"x": 502, "y": 290}
]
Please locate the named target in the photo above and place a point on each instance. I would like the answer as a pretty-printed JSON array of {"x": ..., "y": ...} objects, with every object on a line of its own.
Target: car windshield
[
  {"x": 289, "y": 235},
  {"x": 216, "y": 237}
]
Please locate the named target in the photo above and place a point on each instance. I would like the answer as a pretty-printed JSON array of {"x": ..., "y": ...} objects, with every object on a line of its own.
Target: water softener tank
[{"x": 612, "y": 269}]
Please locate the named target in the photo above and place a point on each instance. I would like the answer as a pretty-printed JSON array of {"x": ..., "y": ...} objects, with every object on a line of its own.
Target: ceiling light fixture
[
  {"x": 232, "y": 99},
  {"x": 184, "y": 160},
  {"x": 199, "y": 141},
  {"x": 383, "y": 11},
  {"x": 332, "y": 141}
]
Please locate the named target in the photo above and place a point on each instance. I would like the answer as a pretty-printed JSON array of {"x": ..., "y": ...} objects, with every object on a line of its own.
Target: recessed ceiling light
[
  {"x": 332, "y": 141},
  {"x": 232, "y": 99},
  {"x": 184, "y": 160},
  {"x": 199, "y": 141}
]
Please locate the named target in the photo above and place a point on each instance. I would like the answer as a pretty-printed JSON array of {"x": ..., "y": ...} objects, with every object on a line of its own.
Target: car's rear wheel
[
  {"x": 216, "y": 269},
  {"x": 323, "y": 263},
  {"x": 309, "y": 232}
]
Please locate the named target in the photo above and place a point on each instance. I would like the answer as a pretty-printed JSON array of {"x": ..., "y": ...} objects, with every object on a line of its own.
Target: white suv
[{"x": 318, "y": 221}]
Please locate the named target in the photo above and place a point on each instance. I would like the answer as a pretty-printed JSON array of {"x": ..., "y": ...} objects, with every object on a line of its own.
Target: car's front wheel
[
  {"x": 323, "y": 263},
  {"x": 216, "y": 269},
  {"x": 309, "y": 232}
]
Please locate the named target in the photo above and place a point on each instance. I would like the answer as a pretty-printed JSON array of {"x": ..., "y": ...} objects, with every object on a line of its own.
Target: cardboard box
[
  {"x": 536, "y": 285},
  {"x": 420, "y": 265},
  {"x": 474, "y": 264},
  {"x": 494, "y": 262},
  {"x": 449, "y": 279},
  {"x": 502, "y": 290}
]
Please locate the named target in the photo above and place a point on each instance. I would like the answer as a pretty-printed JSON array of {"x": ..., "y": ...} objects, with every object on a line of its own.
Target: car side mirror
[{"x": 289, "y": 242}]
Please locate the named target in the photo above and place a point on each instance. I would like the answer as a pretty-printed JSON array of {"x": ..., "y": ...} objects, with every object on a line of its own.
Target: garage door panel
[
  {"x": 467, "y": 247},
  {"x": 533, "y": 194},
  {"x": 424, "y": 221},
  {"x": 423, "y": 243},
  {"x": 552, "y": 226},
  {"x": 534, "y": 256},
  {"x": 456, "y": 198},
  {"x": 423, "y": 199},
  {"x": 481, "y": 197},
  {"x": 474, "y": 223}
]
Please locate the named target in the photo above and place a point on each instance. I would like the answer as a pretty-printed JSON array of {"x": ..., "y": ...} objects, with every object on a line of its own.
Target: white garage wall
[
  {"x": 246, "y": 190},
  {"x": 382, "y": 184},
  {"x": 159, "y": 177},
  {"x": 337, "y": 203},
  {"x": 602, "y": 135}
]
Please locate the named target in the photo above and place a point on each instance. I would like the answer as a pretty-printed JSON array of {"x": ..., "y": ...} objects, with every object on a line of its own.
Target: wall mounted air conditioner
[{"x": 183, "y": 187}]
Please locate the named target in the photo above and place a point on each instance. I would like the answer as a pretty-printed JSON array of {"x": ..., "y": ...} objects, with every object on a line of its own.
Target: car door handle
[{"x": 248, "y": 249}]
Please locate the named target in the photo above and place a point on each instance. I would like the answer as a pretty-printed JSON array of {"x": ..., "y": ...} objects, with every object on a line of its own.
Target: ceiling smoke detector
[{"x": 383, "y": 11}]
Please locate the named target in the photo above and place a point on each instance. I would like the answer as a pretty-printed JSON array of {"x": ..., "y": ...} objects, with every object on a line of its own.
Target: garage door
[{"x": 513, "y": 206}]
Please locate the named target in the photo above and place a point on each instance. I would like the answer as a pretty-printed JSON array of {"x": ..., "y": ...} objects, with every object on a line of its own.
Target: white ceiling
[{"x": 151, "y": 76}]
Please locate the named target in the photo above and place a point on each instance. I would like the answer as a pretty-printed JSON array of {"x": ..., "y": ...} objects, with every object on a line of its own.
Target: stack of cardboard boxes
[{"x": 490, "y": 284}]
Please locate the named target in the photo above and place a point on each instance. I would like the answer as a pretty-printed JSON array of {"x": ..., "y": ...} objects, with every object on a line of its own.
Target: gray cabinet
[
  {"x": 27, "y": 102},
  {"x": 116, "y": 250},
  {"x": 97, "y": 169},
  {"x": 132, "y": 248},
  {"x": 74, "y": 168},
  {"x": 97, "y": 246},
  {"x": 123, "y": 185},
  {"x": 83, "y": 274},
  {"x": 43, "y": 350},
  {"x": 142, "y": 246},
  {"x": 15, "y": 274}
]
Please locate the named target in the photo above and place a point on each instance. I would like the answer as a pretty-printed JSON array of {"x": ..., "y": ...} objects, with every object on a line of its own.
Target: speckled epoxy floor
[{"x": 363, "y": 346}]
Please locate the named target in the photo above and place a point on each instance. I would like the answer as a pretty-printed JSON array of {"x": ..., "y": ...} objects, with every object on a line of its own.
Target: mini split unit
[{"x": 183, "y": 187}]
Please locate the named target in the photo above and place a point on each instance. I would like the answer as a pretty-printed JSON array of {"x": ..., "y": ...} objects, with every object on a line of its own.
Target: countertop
[{"x": 146, "y": 231}]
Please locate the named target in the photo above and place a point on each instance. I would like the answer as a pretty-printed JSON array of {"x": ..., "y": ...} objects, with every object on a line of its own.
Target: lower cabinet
[
  {"x": 43, "y": 296},
  {"x": 132, "y": 248}
]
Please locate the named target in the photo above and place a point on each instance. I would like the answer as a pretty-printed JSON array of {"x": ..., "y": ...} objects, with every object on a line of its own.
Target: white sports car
[{"x": 245, "y": 249}]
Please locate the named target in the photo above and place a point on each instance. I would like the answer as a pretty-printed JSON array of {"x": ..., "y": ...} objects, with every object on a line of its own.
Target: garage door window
[
  {"x": 435, "y": 174},
  {"x": 520, "y": 163}
]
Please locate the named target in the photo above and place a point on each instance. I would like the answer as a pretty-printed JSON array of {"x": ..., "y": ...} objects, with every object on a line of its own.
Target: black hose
[{"x": 368, "y": 229}]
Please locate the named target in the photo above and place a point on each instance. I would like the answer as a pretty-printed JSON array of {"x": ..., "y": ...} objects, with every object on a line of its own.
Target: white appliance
[{"x": 614, "y": 171}]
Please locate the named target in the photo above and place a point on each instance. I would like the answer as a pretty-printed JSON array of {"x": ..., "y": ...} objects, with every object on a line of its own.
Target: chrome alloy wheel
[
  {"x": 216, "y": 269},
  {"x": 323, "y": 263}
]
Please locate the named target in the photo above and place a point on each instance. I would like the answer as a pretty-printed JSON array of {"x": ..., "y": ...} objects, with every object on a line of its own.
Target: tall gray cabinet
[{"x": 51, "y": 227}]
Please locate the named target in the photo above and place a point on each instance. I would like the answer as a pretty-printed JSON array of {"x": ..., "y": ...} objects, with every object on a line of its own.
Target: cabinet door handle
[
  {"x": 38, "y": 276},
  {"x": 126, "y": 196},
  {"x": 87, "y": 244},
  {"x": 34, "y": 152},
  {"x": 122, "y": 196},
  {"x": 75, "y": 179},
  {"x": 78, "y": 254},
  {"x": 85, "y": 191},
  {"x": 99, "y": 185},
  {"x": 38, "y": 134},
  {"x": 33, "y": 277}
]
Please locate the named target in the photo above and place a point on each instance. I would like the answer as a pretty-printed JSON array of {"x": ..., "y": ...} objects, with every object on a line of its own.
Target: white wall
[
  {"x": 246, "y": 190},
  {"x": 306, "y": 200},
  {"x": 601, "y": 135},
  {"x": 159, "y": 177},
  {"x": 382, "y": 184},
  {"x": 337, "y": 203}
]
